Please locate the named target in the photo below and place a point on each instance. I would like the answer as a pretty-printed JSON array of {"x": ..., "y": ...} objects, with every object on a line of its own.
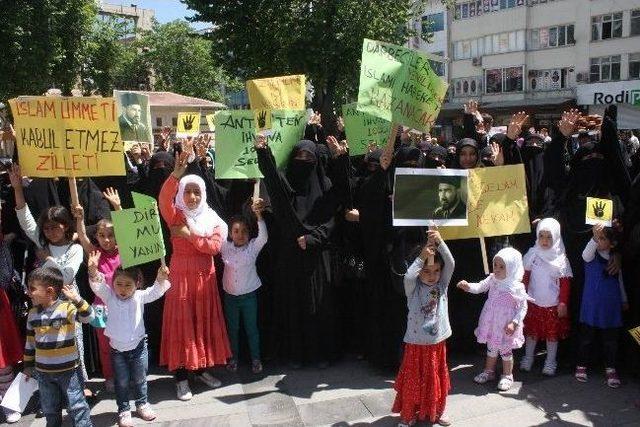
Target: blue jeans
[
  {"x": 56, "y": 389},
  {"x": 130, "y": 367}
]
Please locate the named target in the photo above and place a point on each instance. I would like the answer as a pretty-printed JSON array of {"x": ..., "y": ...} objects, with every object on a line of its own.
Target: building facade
[
  {"x": 535, "y": 55},
  {"x": 135, "y": 18}
]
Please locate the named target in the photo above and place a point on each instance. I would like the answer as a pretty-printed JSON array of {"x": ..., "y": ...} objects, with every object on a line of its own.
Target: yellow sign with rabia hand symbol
[
  {"x": 188, "y": 124},
  {"x": 599, "y": 211}
]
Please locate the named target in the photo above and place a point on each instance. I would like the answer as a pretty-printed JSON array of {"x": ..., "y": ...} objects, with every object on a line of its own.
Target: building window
[
  {"x": 433, "y": 23},
  {"x": 489, "y": 45},
  {"x": 437, "y": 66},
  {"x": 605, "y": 27},
  {"x": 553, "y": 79},
  {"x": 467, "y": 86},
  {"x": 470, "y": 9},
  {"x": 174, "y": 121},
  {"x": 543, "y": 38},
  {"x": 634, "y": 65},
  {"x": 158, "y": 121},
  {"x": 606, "y": 68},
  {"x": 635, "y": 22},
  {"x": 499, "y": 80}
]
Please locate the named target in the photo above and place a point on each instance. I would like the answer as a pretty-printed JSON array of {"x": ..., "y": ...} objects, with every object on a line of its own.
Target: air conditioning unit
[
  {"x": 476, "y": 61},
  {"x": 582, "y": 78}
]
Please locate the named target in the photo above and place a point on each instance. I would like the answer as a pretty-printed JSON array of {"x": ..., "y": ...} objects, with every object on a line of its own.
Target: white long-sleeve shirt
[
  {"x": 125, "y": 320},
  {"x": 588, "y": 255},
  {"x": 66, "y": 258},
  {"x": 240, "y": 274}
]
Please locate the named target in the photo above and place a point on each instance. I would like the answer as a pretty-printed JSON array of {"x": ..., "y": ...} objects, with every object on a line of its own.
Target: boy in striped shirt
[{"x": 51, "y": 348}]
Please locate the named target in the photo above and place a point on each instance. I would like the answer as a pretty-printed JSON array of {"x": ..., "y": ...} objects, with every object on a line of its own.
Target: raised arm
[
  {"x": 589, "y": 252},
  {"x": 166, "y": 205},
  {"x": 258, "y": 243},
  {"x": 411, "y": 276},
  {"x": 99, "y": 286},
  {"x": 449, "y": 264},
  {"x": 78, "y": 212},
  {"x": 155, "y": 292}
]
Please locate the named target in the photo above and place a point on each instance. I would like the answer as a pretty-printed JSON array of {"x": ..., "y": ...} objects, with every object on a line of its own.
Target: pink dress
[
  {"x": 194, "y": 333},
  {"x": 504, "y": 304}
]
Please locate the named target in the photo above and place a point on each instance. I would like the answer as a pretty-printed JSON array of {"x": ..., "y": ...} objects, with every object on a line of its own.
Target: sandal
[
  {"x": 581, "y": 374},
  {"x": 232, "y": 365},
  {"x": 612, "y": 378},
  {"x": 484, "y": 377},
  {"x": 506, "y": 381},
  {"x": 256, "y": 366}
]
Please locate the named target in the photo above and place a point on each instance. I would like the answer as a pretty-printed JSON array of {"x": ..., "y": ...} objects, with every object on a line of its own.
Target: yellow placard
[
  {"x": 277, "y": 93},
  {"x": 75, "y": 136},
  {"x": 599, "y": 211},
  {"x": 188, "y": 124},
  {"x": 497, "y": 204},
  {"x": 635, "y": 333}
]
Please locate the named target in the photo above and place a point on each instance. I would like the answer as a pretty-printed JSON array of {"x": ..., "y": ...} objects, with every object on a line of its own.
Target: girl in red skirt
[
  {"x": 194, "y": 333},
  {"x": 547, "y": 278},
  {"x": 11, "y": 343},
  {"x": 422, "y": 385}
]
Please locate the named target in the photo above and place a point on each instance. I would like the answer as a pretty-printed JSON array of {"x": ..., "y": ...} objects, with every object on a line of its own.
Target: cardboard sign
[
  {"x": 138, "y": 232},
  {"x": 188, "y": 124},
  {"x": 424, "y": 197},
  {"x": 599, "y": 211},
  {"x": 74, "y": 136},
  {"x": 235, "y": 136},
  {"x": 397, "y": 84},
  {"x": 363, "y": 129},
  {"x": 134, "y": 116},
  {"x": 497, "y": 204},
  {"x": 277, "y": 93}
]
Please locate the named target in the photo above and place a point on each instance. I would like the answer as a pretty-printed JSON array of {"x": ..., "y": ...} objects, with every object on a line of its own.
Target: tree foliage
[
  {"x": 319, "y": 38},
  {"x": 42, "y": 43}
]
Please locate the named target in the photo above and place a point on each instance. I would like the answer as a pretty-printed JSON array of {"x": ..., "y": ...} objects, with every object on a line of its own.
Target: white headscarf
[
  {"x": 201, "y": 220},
  {"x": 514, "y": 272},
  {"x": 555, "y": 256}
]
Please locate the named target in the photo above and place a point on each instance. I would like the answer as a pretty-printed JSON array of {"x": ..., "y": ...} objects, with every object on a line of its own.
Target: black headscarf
[
  {"x": 406, "y": 154},
  {"x": 160, "y": 167},
  {"x": 436, "y": 156}
]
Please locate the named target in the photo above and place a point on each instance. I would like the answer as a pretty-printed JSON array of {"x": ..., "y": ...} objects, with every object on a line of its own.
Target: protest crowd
[{"x": 300, "y": 264}]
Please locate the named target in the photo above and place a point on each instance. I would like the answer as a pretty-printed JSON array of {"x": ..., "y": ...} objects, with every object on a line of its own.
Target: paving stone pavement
[{"x": 350, "y": 393}]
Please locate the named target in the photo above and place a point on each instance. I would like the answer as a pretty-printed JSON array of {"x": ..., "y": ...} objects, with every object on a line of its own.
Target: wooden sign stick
[
  {"x": 256, "y": 190},
  {"x": 73, "y": 190},
  {"x": 485, "y": 261}
]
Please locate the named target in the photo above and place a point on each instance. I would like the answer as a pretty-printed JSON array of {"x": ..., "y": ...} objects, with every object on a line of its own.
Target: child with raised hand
[
  {"x": 241, "y": 284},
  {"x": 107, "y": 265},
  {"x": 51, "y": 345},
  {"x": 603, "y": 300},
  {"x": 126, "y": 332},
  {"x": 422, "y": 384},
  {"x": 53, "y": 235},
  {"x": 547, "y": 278},
  {"x": 500, "y": 323}
]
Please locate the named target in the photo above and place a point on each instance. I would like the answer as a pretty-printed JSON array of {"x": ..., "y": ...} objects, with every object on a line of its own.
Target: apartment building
[
  {"x": 542, "y": 56},
  {"x": 135, "y": 18}
]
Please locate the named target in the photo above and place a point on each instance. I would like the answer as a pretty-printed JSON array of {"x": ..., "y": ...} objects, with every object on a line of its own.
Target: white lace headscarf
[
  {"x": 514, "y": 272},
  {"x": 201, "y": 220},
  {"x": 555, "y": 256}
]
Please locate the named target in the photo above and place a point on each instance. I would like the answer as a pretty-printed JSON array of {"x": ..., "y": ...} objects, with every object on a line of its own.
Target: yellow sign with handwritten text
[
  {"x": 75, "y": 136},
  {"x": 188, "y": 124},
  {"x": 599, "y": 211},
  {"x": 497, "y": 204},
  {"x": 277, "y": 93}
]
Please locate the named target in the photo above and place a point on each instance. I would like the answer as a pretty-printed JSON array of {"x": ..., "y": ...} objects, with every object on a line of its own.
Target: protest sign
[
  {"x": 424, "y": 197},
  {"x": 397, "y": 84},
  {"x": 635, "y": 333},
  {"x": 188, "y": 124},
  {"x": 235, "y": 135},
  {"x": 134, "y": 116},
  {"x": 138, "y": 232},
  {"x": 75, "y": 136},
  {"x": 496, "y": 203},
  {"x": 363, "y": 129},
  {"x": 599, "y": 211},
  {"x": 277, "y": 93},
  {"x": 211, "y": 121},
  {"x": 262, "y": 119}
]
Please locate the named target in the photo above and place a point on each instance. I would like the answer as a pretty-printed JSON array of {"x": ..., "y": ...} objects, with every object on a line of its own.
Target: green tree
[
  {"x": 319, "y": 38},
  {"x": 42, "y": 44},
  {"x": 181, "y": 61}
]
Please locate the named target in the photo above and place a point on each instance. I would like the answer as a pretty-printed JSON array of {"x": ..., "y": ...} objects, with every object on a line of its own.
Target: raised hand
[
  {"x": 260, "y": 142},
  {"x": 71, "y": 294},
  {"x": 302, "y": 242},
  {"x": 515, "y": 125},
  {"x": 567, "y": 123},
  {"x": 385, "y": 161},
  {"x": 337, "y": 148},
  {"x": 497, "y": 156},
  {"x": 181, "y": 165},
  {"x": 78, "y": 212},
  {"x": 433, "y": 236},
  {"x": 257, "y": 206},
  {"x": 15, "y": 176},
  {"x": 597, "y": 229},
  {"x": 464, "y": 285},
  {"x": 471, "y": 107},
  {"x": 92, "y": 263},
  {"x": 112, "y": 197},
  {"x": 163, "y": 274}
]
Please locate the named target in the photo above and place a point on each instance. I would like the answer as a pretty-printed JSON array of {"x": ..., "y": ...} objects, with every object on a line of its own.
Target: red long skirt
[
  {"x": 422, "y": 384},
  {"x": 11, "y": 343}
]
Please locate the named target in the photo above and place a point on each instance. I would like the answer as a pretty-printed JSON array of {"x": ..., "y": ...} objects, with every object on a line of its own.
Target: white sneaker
[
  {"x": 183, "y": 390},
  {"x": 526, "y": 363},
  {"x": 209, "y": 380},
  {"x": 549, "y": 369},
  {"x": 12, "y": 416}
]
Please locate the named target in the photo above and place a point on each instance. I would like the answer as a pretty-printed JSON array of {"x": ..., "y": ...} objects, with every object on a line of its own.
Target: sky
[{"x": 165, "y": 10}]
